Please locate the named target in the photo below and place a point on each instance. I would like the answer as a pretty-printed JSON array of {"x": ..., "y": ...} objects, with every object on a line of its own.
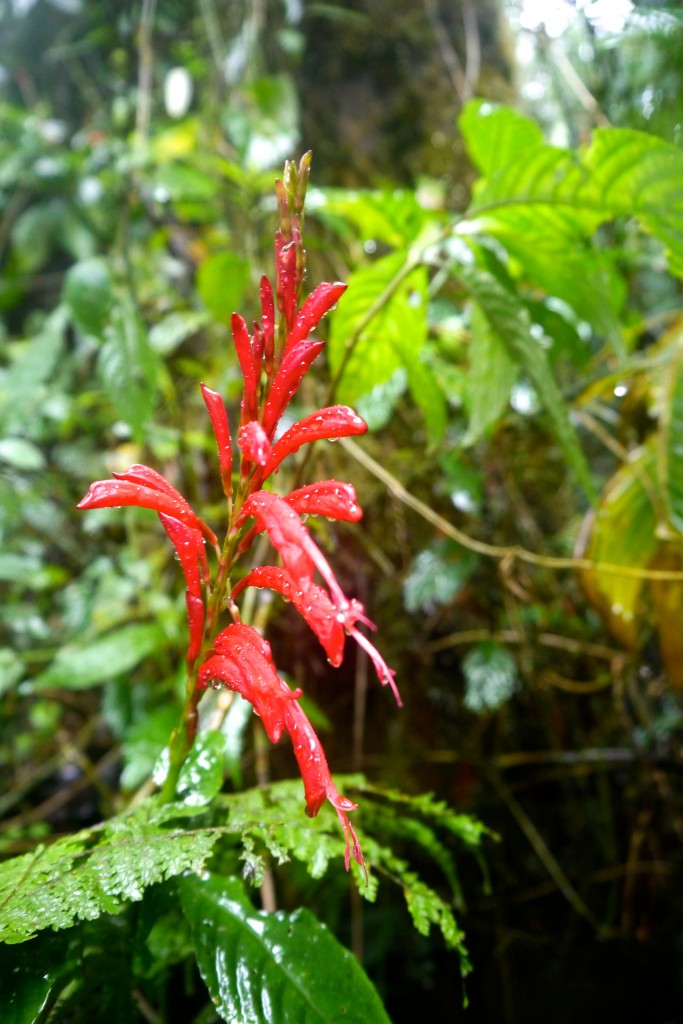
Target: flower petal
[
  {"x": 221, "y": 428},
  {"x": 244, "y": 662},
  {"x": 286, "y": 533},
  {"x": 332, "y": 498},
  {"x": 195, "y": 618},
  {"x": 125, "y": 492},
  {"x": 313, "y": 604},
  {"x": 250, "y": 372},
  {"x": 254, "y": 443},
  {"x": 189, "y": 545},
  {"x": 318, "y": 303},
  {"x": 318, "y": 784},
  {"x": 267, "y": 323},
  {"x": 291, "y": 372},
  {"x": 333, "y": 421}
]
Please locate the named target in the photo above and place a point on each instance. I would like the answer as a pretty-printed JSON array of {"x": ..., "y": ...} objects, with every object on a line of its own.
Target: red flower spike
[
  {"x": 268, "y": 323},
  {"x": 250, "y": 373},
  {"x": 318, "y": 784},
  {"x": 331, "y": 498},
  {"x": 332, "y": 421},
  {"x": 124, "y": 492},
  {"x": 254, "y": 443},
  {"x": 291, "y": 372},
  {"x": 221, "y": 428},
  {"x": 318, "y": 303},
  {"x": 195, "y": 618},
  {"x": 313, "y": 604}
]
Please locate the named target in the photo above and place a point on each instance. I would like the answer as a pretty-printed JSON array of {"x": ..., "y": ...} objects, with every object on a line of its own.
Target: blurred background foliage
[{"x": 522, "y": 375}]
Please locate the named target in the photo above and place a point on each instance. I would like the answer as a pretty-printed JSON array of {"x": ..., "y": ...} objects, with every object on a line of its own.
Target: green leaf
[
  {"x": 437, "y": 574},
  {"x": 29, "y": 977},
  {"x": 222, "y": 280},
  {"x": 88, "y": 874},
  {"x": 671, "y": 443},
  {"x": 392, "y": 340},
  {"x": 492, "y": 372},
  {"x": 172, "y": 330},
  {"x": 128, "y": 367},
  {"x": 509, "y": 319},
  {"x": 496, "y": 135},
  {"x": 624, "y": 533},
  {"x": 490, "y": 677},
  {"x": 557, "y": 193},
  {"x": 77, "y": 667},
  {"x": 202, "y": 774},
  {"x": 261, "y": 968},
  {"x": 88, "y": 295},
  {"x": 21, "y": 454},
  {"x": 393, "y": 217}
]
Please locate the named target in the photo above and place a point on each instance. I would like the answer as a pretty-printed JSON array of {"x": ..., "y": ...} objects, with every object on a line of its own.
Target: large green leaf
[
  {"x": 497, "y": 135},
  {"x": 78, "y": 666},
  {"x": 510, "y": 321},
  {"x": 129, "y": 367},
  {"x": 553, "y": 192},
  {"x": 88, "y": 294},
  {"x": 492, "y": 372},
  {"x": 389, "y": 341},
  {"x": 273, "y": 968}
]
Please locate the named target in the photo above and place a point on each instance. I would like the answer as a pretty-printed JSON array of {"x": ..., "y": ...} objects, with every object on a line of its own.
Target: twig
[
  {"x": 512, "y": 553},
  {"x": 146, "y": 59},
  {"x": 543, "y": 852}
]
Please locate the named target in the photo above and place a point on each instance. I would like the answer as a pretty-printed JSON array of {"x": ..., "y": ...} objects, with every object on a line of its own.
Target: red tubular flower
[
  {"x": 331, "y": 498},
  {"x": 286, "y": 279},
  {"x": 318, "y": 784},
  {"x": 254, "y": 443},
  {"x": 195, "y": 618},
  {"x": 318, "y": 303},
  {"x": 145, "y": 488},
  {"x": 313, "y": 604},
  {"x": 189, "y": 545},
  {"x": 243, "y": 661},
  {"x": 292, "y": 370},
  {"x": 332, "y": 421},
  {"x": 250, "y": 372},
  {"x": 300, "y": 556},
  {"x": 219, "y": 421}
]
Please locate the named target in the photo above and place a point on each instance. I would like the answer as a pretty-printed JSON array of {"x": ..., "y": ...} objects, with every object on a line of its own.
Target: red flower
[
  {"x": 294, "y": 366},
  {"x": 254, "y": 443},
  {"x": 333, "y": 421},
  {"x": 301, "y": 556},
  {"x": 219, "y": 422},
  {"x": 318, "y": 303},
  {"x": 313, "y": 604},
  {"x": 250, "y": 371},
  {"x": 318, "y": 784},
  {"x": 243, "y": 662},
  {"x": 144, "y": 488}
]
